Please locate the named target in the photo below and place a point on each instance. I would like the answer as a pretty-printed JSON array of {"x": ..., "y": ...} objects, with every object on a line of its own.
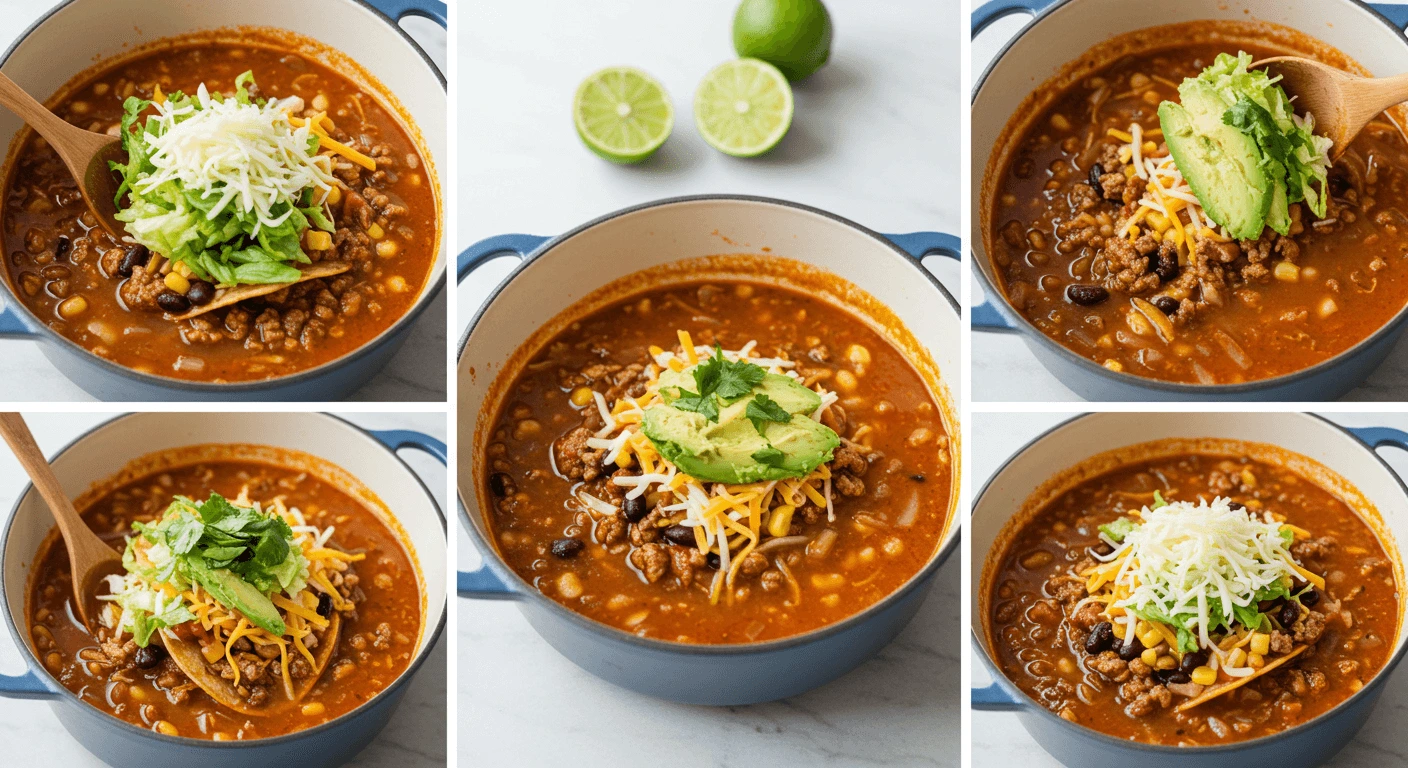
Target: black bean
[
  {"x": 135, "y": 256},
  {"x": 682, "y": 535},
  {"x": 635, "y": 509},
  {"x": 173, "y": 302},
  {"x": 917, "y": 478},
  {"x": 1096, "y": 171},
  {"x": 566, "y": 548},
  {"x": 200, "y": 293},
  {"x": 1309, "y": 598},
  {"x": 1236, "y": 505},
  {"x": 1167, "y": 676},
  {"x": 1290, "y": 612},
  {"x": 1167, "y": 267},
  {"x": 1129, "y": 651},
  {"x": 149, "y": 656},
  {"x": 712, "y": 560},
  {"x": 501, "y": 484},
  {"x": 1192, "y": 661},
  {"x": 324, "y": 604},
  {"x": 1166, "y": 304},
  {"x": 61, "y": 248},
  {"x": 1086, "y": 295},
  {"x": 1100, "y": 639}
]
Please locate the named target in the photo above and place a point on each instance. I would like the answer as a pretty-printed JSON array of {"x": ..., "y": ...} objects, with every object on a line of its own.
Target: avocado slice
[
  {"x": 1220, "y": 163},
  {"x": 722, "y": 451},
  {"x": 234, "y": 592},
  {"x": 1279, "y": 216}
]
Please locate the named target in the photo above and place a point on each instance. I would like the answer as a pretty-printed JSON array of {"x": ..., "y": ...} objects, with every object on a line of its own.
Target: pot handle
[
  {"x": 484, "y": 584},
  {"x": 999, "y": 9},
  {"x": 26, "y": 686},
  {"x": 396, "y": 439},
  {"x": 1398, "y": 14},
  {"x": 400, "y": 9},
  {"x": 12, "y": 324},
  {"x": 987, "y": 317},
  {"x": 994, "y": 698},
  {"x": 475, "y": 255},
  {"x": 1378, "y": 437},
  {"x": 921, "y": 244}
]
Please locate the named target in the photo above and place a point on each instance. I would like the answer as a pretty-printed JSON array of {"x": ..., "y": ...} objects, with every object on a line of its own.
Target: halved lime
[
  {"x": 622, "y": 114},
  {"x": 743, "y": 107}
]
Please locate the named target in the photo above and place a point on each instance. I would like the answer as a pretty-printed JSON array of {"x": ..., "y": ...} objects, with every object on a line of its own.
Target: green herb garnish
[
  {"x": 718, "y": 379},
  {"x": 762, "y": 409}
]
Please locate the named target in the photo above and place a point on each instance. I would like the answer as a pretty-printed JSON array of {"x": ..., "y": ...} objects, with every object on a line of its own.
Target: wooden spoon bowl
[{"x": 1341, "y": 103}]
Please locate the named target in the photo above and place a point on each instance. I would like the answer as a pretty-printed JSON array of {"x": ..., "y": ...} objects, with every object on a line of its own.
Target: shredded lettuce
[
  {"x": 1117, "y": 530},
  {"x": 212, "y": 227},
  {"x": 1292, "y": 154}
]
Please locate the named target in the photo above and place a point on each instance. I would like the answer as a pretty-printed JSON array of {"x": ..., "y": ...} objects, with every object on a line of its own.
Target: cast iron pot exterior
[
  {"x": 1347, "y": 451},
  {"x": 71, "y": 37},
  {"x": 101, "y": 452},
  {"x": 1062, "y": 31},
  {"x": 556, "y": 272}
]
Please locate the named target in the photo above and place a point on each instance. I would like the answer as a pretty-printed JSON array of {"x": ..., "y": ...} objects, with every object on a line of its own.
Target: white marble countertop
[
  {"x": 1004, "y": 368},
  {"x": 875, "y": 138},
  {"x": 415, "y": 738},
  {"x": 416, "y": 372},
  {"x": 1000, "y": 740}
]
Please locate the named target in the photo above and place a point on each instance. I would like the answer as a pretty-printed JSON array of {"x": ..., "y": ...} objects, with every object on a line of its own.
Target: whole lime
[{"x": 792, "y": 35}]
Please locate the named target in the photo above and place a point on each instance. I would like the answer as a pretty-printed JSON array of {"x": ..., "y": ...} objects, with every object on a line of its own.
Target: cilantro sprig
[
  {"x": 718, "y": 380},
  {"x": 763, "y": 409}
]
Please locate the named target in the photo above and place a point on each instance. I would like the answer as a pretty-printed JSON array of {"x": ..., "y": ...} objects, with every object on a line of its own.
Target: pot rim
[
  {"x": 490, "y": 554},
  {"x": 60, "y": 690},
  {"x": 998, "y": 298},
  {"x": 42, "y": 331},
  {"x": 1029, "y": 706}
]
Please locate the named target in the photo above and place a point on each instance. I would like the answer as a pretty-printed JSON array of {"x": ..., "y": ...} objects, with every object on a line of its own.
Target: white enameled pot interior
[
  {"x": 86, "y": 32},
  {"x": 106, "y": 450},
  {"x": 1070, "y": 443},
  {"x": 651, "y": 236},
  {"x": 1044, "y": 47}
]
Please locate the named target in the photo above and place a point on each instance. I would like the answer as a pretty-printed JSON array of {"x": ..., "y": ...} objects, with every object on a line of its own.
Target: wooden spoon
[
  {"x": 1341, "y": 103},
  {"x": 1213, "y": 692},
  {"x": 227, "y": 296},
  {"x": 85, "y": 153},
  {"x": 90, "y": 558},
  {"x": 187, "y": 655}
]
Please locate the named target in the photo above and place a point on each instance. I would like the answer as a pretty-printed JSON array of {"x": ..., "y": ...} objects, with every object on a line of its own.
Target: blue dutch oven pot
[
  {"x": 1061, "y": 32},
  {"x": 67, "y": 40},
  {"x": 556, "y": 272},
  {"x": 1348, "y": 452},
  {"x": 100, "y": 453}
]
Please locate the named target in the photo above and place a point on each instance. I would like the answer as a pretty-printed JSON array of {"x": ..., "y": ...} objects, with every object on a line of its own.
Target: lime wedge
[
  {"x": 743, "y": 108},
  {"x": 622, "y": 114}
]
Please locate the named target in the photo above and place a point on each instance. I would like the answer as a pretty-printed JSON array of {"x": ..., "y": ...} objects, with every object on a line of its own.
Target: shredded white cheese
[
  {"x": 246, "y": 155},
  {"x": 1185, "y": 556}
]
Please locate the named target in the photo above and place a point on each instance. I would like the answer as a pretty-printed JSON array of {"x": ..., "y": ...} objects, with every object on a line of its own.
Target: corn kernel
[
  {"x": 396, "y": 283},
  {"x": 387, "y": 248},
  {"x": 1166, "y": 662},
  {"x": 1119, "y": 630},
  {"x": 1256, "y": 660},
  {"x": 1286, "y": 272},
  {"x": 1160, "y": 222},
  {"x": 1149, "y": 656},
  {"x": 781, "y": 520},
  {"x": 1237, "y": 658},
  {"x": 177, "y": 283},
  {"x": 1114, "y": 365},
  {"x": 181, "y": 269},
  {"x": 1204, "y": 676},
  {"x": 320, "y": 103},
  {"x": 1309, "y": 273},
  {"x": 846, "y": 381},
  {"x": 1327, "y": 307},
  {"x": 829, "y": 581},
  {"x": 375, "y": 232},
  {"x": 162, "y": 726},
  {"x": 1261, "y": 643},
  {"x": 1151, "y": 639},
  {"x": 1060, "y": 123},
  {"x": 569, "y": 586},
  {"x": 334, "y": 195},
  {"x": 72, "y": 307},
  {"x": 580, "y": 396},
  {"x": 319, "y": 240},
  {"x": 314, "y": 709}
]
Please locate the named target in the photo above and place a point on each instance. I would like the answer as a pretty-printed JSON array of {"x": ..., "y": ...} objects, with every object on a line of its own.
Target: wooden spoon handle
[
  {"x": 30, "y": 110},
  {"x": 1374, "y": 95}
]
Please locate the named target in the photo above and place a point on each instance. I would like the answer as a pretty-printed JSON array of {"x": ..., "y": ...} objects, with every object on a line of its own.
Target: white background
[
  {"x": 417, "y": 372},
  {"x": 30, "y": 735},
  {"x": 875, "y": 138},
  {"x": 999, "y": 739},
  {"x": 1004, "y": 369}
]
